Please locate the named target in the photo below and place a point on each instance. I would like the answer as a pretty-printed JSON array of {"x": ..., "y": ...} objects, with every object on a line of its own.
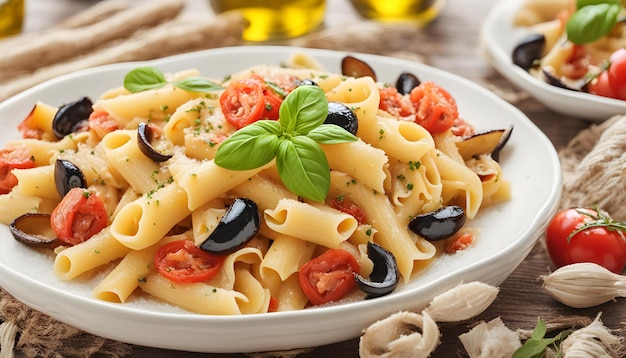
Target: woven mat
[{"x": 32, "y": 334}]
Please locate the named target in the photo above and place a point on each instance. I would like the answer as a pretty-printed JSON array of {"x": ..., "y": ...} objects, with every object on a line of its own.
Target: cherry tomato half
[
  {"x": 435, "y": 107},
  {"x": 598, "y": 241},
  {"x": 79, "y": 216},
  {"x": 13, "y": 158},
  {"x": 328, "y": 277},
  {"x": 601, "y": 86},
  {"x": 249, "y": 100},
  {"x": 183, "y": 262}
]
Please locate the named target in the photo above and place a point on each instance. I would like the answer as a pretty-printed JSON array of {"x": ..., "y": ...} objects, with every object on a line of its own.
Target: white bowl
[
  {"x": 509, "y": 230},
  {"x": 499, "y": 37}
]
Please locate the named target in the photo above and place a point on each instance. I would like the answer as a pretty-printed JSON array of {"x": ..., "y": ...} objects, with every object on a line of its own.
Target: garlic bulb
[
  {"x": 462, "y": 302},
  {"x": 584, "y": 285}
]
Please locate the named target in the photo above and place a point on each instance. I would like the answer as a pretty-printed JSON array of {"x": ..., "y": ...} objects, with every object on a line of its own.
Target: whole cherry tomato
[
  {"x": 617, "y": 73},
  {"x": 586, "y": 235}
]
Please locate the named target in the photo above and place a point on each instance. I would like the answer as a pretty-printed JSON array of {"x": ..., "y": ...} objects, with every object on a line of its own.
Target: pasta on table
[{"x": 247, "y": 159}]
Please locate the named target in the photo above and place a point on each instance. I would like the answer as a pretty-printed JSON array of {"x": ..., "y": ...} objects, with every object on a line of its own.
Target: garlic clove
[
  {"x": 403, "y": 334},
  {"x": 491, "y": 339},
  {"x": 584, "y": 285},
  {"x": 462, "y": 302},
  {"x": 595, "y": 340}
]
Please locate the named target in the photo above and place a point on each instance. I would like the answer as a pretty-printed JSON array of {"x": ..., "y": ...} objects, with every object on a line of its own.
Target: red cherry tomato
[
  {"x": 617, "y": 73},
  {"x": 601, "y": 86},
  {"x": 183, "y": 262},
  {"x": 435, "y": 107},
  {"x": 13, "y": 158},
  {"x": 349, "y": 208},
  {"x": 328, "y": 277},
  {"x": 79, "y": 216},
  {"x": 249, "y": 100},
  {"x": 596, "y": 238},
  {"x": 393, "y": 102}
]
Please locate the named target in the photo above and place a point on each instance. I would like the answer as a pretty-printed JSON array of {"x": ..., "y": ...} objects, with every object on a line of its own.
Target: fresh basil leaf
[
  {"x": 583, "y": 3},
  {"x": 540, "y": 329},
  {"x": 303, "y": 168},
  {"x": 592, "y": 22},
  {"x": 532, "y": 348},
  {"x": 197, "y": 84},
  {"x": 250, "y": 147},
  {"x": 331, "y": 134},
  {"x": 303, "y": 109},
  {"x": 143, "y": 79}
]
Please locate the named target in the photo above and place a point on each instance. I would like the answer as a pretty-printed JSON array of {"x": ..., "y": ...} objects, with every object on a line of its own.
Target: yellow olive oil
[
  {"x": 11, "y": 17},
  {"x": 417, "y": 11},
  {"x": 275, "y": 19}
]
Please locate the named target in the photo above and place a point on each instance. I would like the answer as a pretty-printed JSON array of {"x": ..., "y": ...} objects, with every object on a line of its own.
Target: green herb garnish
[
  {"x": 592, "y": 20},
  {"x": 535, "y": 346},
  {"x": 146, "y": 78},
  {"x": 293, "y": 140}
]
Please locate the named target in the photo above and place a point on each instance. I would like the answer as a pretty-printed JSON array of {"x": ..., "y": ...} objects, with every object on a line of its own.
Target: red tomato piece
[
  {"x": 459, "y": 242},
  {"x": 577, "y": 64},
  {"x": 349, "y": 208},
  {"x": 101, "y": 122},
  {"x": 79, "y": 216},
  {"x": 394, "y": 103},
  {"x": 13, "y": 158},
  {"x": 328, "y": 277},
  {"x": 617, "y": 73},
  {"x": 586, "y": 235},
  {"x": 249, "y": 100},
  {"x": 435, "y": 107},
  {"x": 183, "y": 262}
]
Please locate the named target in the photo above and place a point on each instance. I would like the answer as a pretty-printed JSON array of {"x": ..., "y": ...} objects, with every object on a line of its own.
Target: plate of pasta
[
  {"x": 513, "y": 22},
  {"x": 156, "y": 150}
]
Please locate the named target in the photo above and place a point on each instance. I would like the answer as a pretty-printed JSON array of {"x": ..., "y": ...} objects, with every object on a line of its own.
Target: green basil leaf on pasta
[
  {"x": 303, "y": 109},
  {"x": 143, "y": 79},
  {"x": 303, "y": 168},
  {"x": 197, "y": 84},
  {"x": 250, "y": 147},
  {"x": 592, "y": 22},
  {"x": 331, "y": 134}
]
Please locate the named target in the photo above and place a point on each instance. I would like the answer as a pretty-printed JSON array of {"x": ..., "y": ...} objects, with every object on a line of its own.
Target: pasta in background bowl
[
  {"x": 508, "y": 230},
  {"x": 499, "y": 36}
]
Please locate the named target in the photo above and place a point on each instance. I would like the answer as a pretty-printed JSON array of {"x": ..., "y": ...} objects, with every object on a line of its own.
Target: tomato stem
[{"x": 599, "y": 219}]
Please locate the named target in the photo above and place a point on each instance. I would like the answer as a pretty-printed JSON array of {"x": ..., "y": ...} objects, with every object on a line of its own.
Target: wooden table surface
[{"x": 455, "y": 36}]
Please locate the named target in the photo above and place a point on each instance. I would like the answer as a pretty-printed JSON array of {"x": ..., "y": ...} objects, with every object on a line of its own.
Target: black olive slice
[
  {"x": 144, "y": 140},
  {"x": 495, "y": 154},
  {"x": 406, "y": 82},
  {"x": 238, "y": 226},
  {"x": 439, "y": 224},
  {"x": 339, "y": 114},
  {"x": 307, "y": 82},
  {"x": 385, "y": 276},
  {"x": 34, "y": 230},
  {"x": 67, "y": 176},
  {"x": 71, "y": 116},
  {"x": 482, "y": 143},
  {"x": 529, "y": 50},
  {"x": 353, "y": 67}
]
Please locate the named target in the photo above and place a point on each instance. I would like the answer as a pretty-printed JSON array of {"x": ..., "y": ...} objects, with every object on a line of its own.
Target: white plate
[
  {"x": 499, "y": 37},
  {"x": 508, "y": 232}
]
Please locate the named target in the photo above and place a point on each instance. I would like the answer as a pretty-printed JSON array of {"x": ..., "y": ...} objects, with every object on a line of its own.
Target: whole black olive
[
  {"x": 385, "y": 276},
  {"x": 238, "y": 226},
  {"x": 34, "y": 230},
  {"x": 144, "y": 141},
  {"x": 353, "y": 67},
  {"x": 71, "y": 116},
  {"x": 406, "y": 82},
  {"x": 439, "y": 224},
  {"x": 341, "y": 115},
  {"x": 67, "y": 176},
  {"x": 529, "y": 50}
]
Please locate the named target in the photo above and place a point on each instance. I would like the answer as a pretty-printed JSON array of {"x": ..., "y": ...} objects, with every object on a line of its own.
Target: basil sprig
[
  {"x": 535, "y": 346},
  {"x": 592, "y": 20},
  {"x": 293, "y": 140},
  {"x": 146, "y": 78}
]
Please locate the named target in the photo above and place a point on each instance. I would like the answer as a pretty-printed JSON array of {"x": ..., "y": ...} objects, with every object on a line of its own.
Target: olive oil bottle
[{"x": 11, "y": 17}]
